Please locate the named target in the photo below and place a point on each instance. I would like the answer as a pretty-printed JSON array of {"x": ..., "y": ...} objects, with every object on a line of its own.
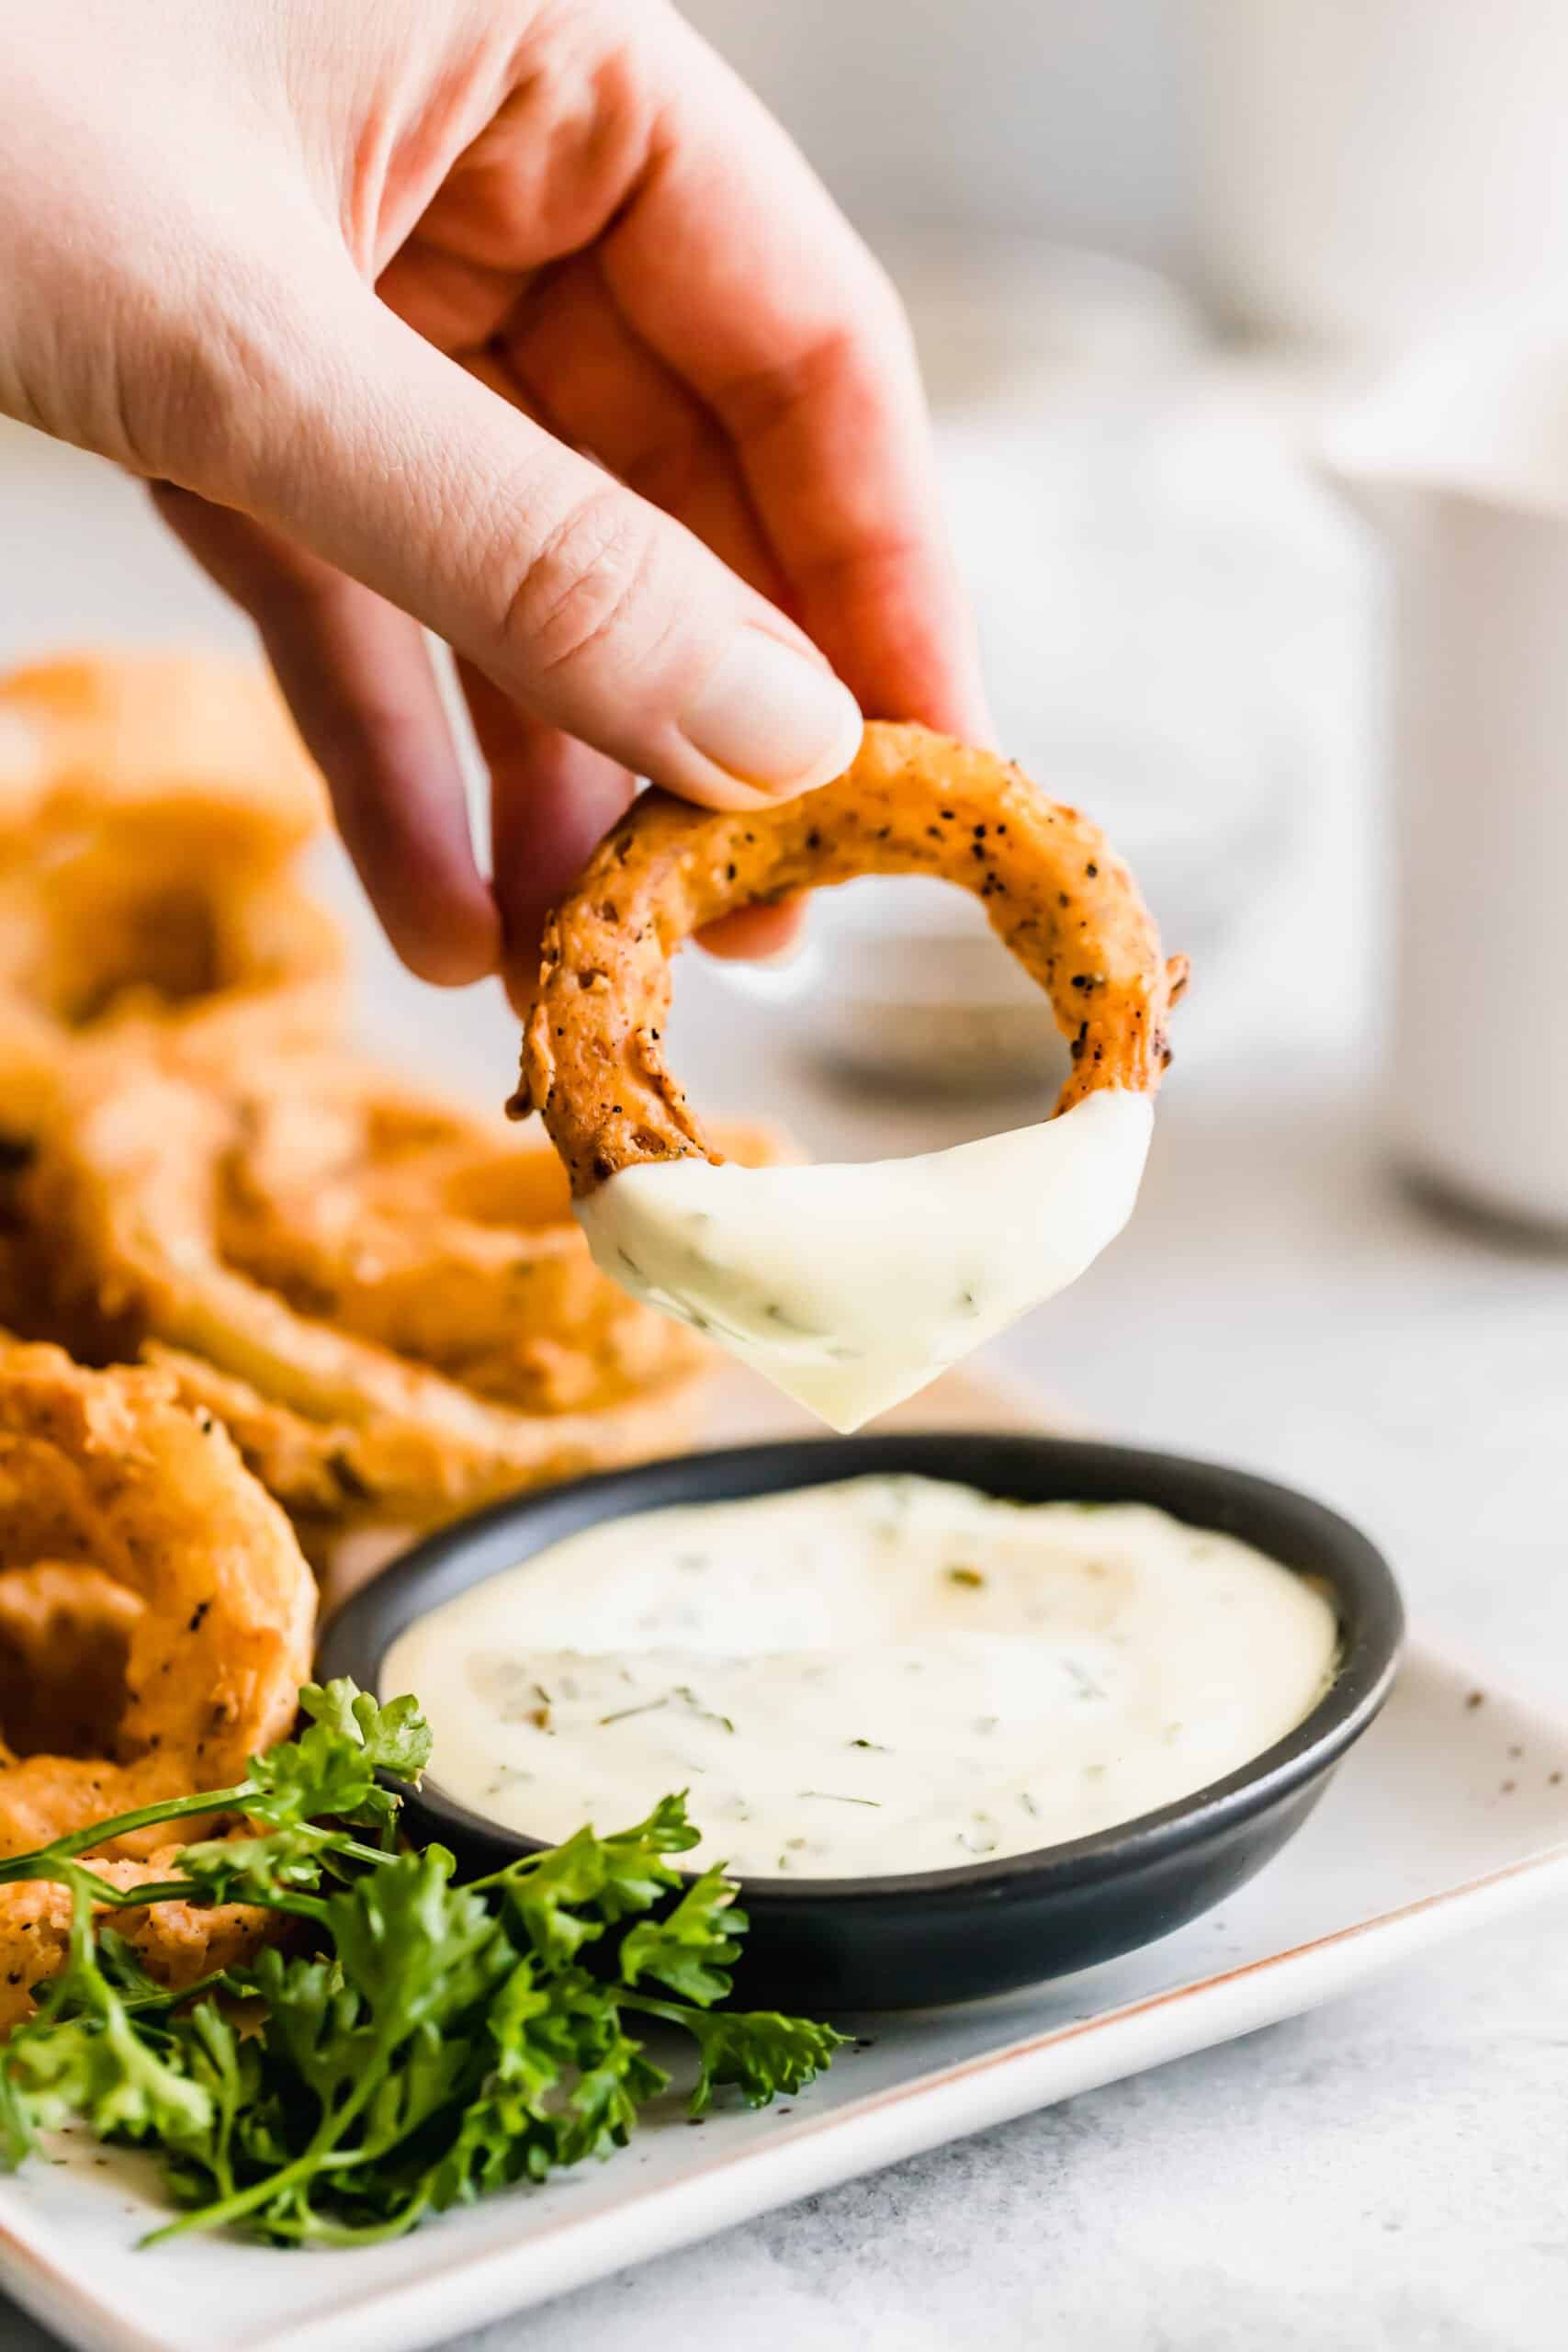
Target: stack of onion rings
[
  {"x": 381, "y": 1295},
  {"x": 912, "y": 802}
]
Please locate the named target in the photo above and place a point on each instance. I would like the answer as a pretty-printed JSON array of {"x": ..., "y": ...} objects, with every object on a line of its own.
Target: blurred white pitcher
[{"x": 1460, "y": 456}]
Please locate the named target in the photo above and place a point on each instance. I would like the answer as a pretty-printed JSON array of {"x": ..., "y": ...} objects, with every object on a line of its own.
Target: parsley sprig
[{"x": 414, "y": 2044}]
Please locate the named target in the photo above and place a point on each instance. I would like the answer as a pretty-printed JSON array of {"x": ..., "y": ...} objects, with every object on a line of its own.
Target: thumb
[{"x": 598, "y": 613}]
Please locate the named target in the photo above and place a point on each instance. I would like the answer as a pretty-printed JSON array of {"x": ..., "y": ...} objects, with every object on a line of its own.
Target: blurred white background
[
  {"x": 1176, "y": 617},
  {"x": 1343, "y": 168},
  {"x": 1076, "y": 122}
]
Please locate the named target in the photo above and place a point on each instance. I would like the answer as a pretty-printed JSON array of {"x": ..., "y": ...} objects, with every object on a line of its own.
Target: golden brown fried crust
[
  {"x": 188, "y": 757},
  {"x": 913, "y": 802},
  {"x": 382, "y": 1296},
  {"x": 151, "y": 809},
  {"x": 103, "y": 1475},
  {"x": 177, "y": 1943},
  {"x": 337, "y": 1476},
  {"x": 201, "y": 969},
  {"x": 65, "y": 1631}
]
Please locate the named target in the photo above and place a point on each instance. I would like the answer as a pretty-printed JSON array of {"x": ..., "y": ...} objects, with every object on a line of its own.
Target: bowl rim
[{"x": 358, "y": 1635}]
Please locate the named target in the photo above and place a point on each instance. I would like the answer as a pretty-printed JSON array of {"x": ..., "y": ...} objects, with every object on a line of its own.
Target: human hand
[{"x": 365, "y": 287}]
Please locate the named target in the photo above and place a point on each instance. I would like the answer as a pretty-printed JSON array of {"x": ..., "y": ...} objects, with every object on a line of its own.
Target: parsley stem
[
  {"x": 671, "y": 2012},
  {"x": 132, "y": 1898},
  {"x": 312, "y": 2159},
  {"x": 322, "y": 2154},
  {"x": 170, "y": 1997},
  {"x": 225, "y": 2209},
  {"x": 100, "y": 1833},
  {"x": 357, "y": 1852}
]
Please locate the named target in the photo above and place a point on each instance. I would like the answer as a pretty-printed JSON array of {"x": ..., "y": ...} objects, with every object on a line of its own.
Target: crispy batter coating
[
  {"x": 177, "y": 1943},
  {"x": 194, "y": 1659},
  {"x": 381, "y": 1295},
  {"x": 65, "y": 1633},
  {"x": 190, "y": 756},
  {"x": 151, "y": 808},
  {"x": 208, "y": 966},
  {"x": 913, "y": 802}
]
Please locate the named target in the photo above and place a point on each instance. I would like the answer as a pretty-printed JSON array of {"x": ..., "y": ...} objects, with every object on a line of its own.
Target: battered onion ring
[
  {"x": 150, "y": 808},
  {"x": 105, "y": 1478},
  {"x": 189, "y": 760},
  {"x": 382, "y": 1296},
  {"x": 912, "y": 803},
  {"x": 207, "y": 967},
  {"x": 177, "y": 1943},
  {"x": 65, "y": 1633}
]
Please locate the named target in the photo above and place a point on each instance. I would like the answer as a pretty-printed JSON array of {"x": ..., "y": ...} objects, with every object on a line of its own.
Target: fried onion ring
[
  {"x": 65, "y": 1633},
  {"x": 209, "y": 966},
  {"x": 130, "y": 1528},
  {"x": 177, "y": 1943},
  {"x": 186, "y": 760},
  {"x": 383, "y": 1296},
  {"x": 150, "y": 806},
  {"x": 912, "y": 802}
]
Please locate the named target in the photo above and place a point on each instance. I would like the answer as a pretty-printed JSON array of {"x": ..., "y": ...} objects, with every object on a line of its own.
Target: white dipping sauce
[
  {"x": 851, "y": 1288},
  {"x": 882, "y": 1675}
]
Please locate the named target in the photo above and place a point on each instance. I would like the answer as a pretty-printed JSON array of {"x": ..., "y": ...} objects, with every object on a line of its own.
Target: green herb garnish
[
  {"x": 418, "y": 2043},
  {"x": 644, "y": 1707}
]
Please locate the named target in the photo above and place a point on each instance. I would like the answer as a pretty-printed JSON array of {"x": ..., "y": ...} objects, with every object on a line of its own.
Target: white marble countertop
[{"x": 1388, "y": 2174}]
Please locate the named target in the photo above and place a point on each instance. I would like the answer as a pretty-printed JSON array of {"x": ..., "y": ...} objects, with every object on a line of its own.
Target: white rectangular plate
[
  {"x": 1448, "y": 1814},
  {"x": 1453, "y": 1810}
]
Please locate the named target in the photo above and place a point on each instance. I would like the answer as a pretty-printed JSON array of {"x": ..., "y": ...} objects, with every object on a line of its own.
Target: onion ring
[
  {"x": 187, "y": 759},
  {"x": 382, "y": 1296},
  {"x": 209, "y": 968},
  {"x": 178, "y": 1943},
  {"x": 912, "y": 802},
  {"x": 150, "y": 806},
  {"x": 65, "y": 1633},
  {"x": 107, "y": 1482}
]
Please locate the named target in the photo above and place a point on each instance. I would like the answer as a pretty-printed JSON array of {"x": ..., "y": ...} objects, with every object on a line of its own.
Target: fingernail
[{"x": 773, "y": 720}]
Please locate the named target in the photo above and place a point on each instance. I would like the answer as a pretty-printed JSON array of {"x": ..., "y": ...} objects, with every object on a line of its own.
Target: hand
[{"x": 517, "y": 319}]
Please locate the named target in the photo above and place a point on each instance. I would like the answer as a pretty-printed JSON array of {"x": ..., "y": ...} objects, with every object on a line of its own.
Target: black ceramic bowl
[{"x": 953, "y": 1935}]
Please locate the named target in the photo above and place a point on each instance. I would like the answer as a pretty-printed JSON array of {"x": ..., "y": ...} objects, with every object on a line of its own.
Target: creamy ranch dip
[
  {"x": 881, "y": 1675},
  {"x": 851, "y": 1288}
]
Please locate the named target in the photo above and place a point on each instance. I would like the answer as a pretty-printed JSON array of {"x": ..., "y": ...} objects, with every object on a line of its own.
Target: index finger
[{"x": 734, "y": 263}]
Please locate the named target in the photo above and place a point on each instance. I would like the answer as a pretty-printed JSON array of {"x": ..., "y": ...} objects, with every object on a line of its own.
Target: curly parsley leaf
[
  {"x": 332, "y": 1768},
  {"x": 84, "y": 2055},
  {"x": 692, "y": 1949},
  {"x": 419, "y": 2042},
  {"x": 393, "y": 1733},
  {"x": 757, "y": 2050},
  {"x": 568, "y": 1895},
  {"x": 271, "y": 1870}
]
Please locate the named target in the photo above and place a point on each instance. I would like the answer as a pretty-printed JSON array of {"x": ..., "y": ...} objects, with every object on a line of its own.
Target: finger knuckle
[
  {"x": 862, "y": 348},
  {"x": 583, "y": 587}
]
